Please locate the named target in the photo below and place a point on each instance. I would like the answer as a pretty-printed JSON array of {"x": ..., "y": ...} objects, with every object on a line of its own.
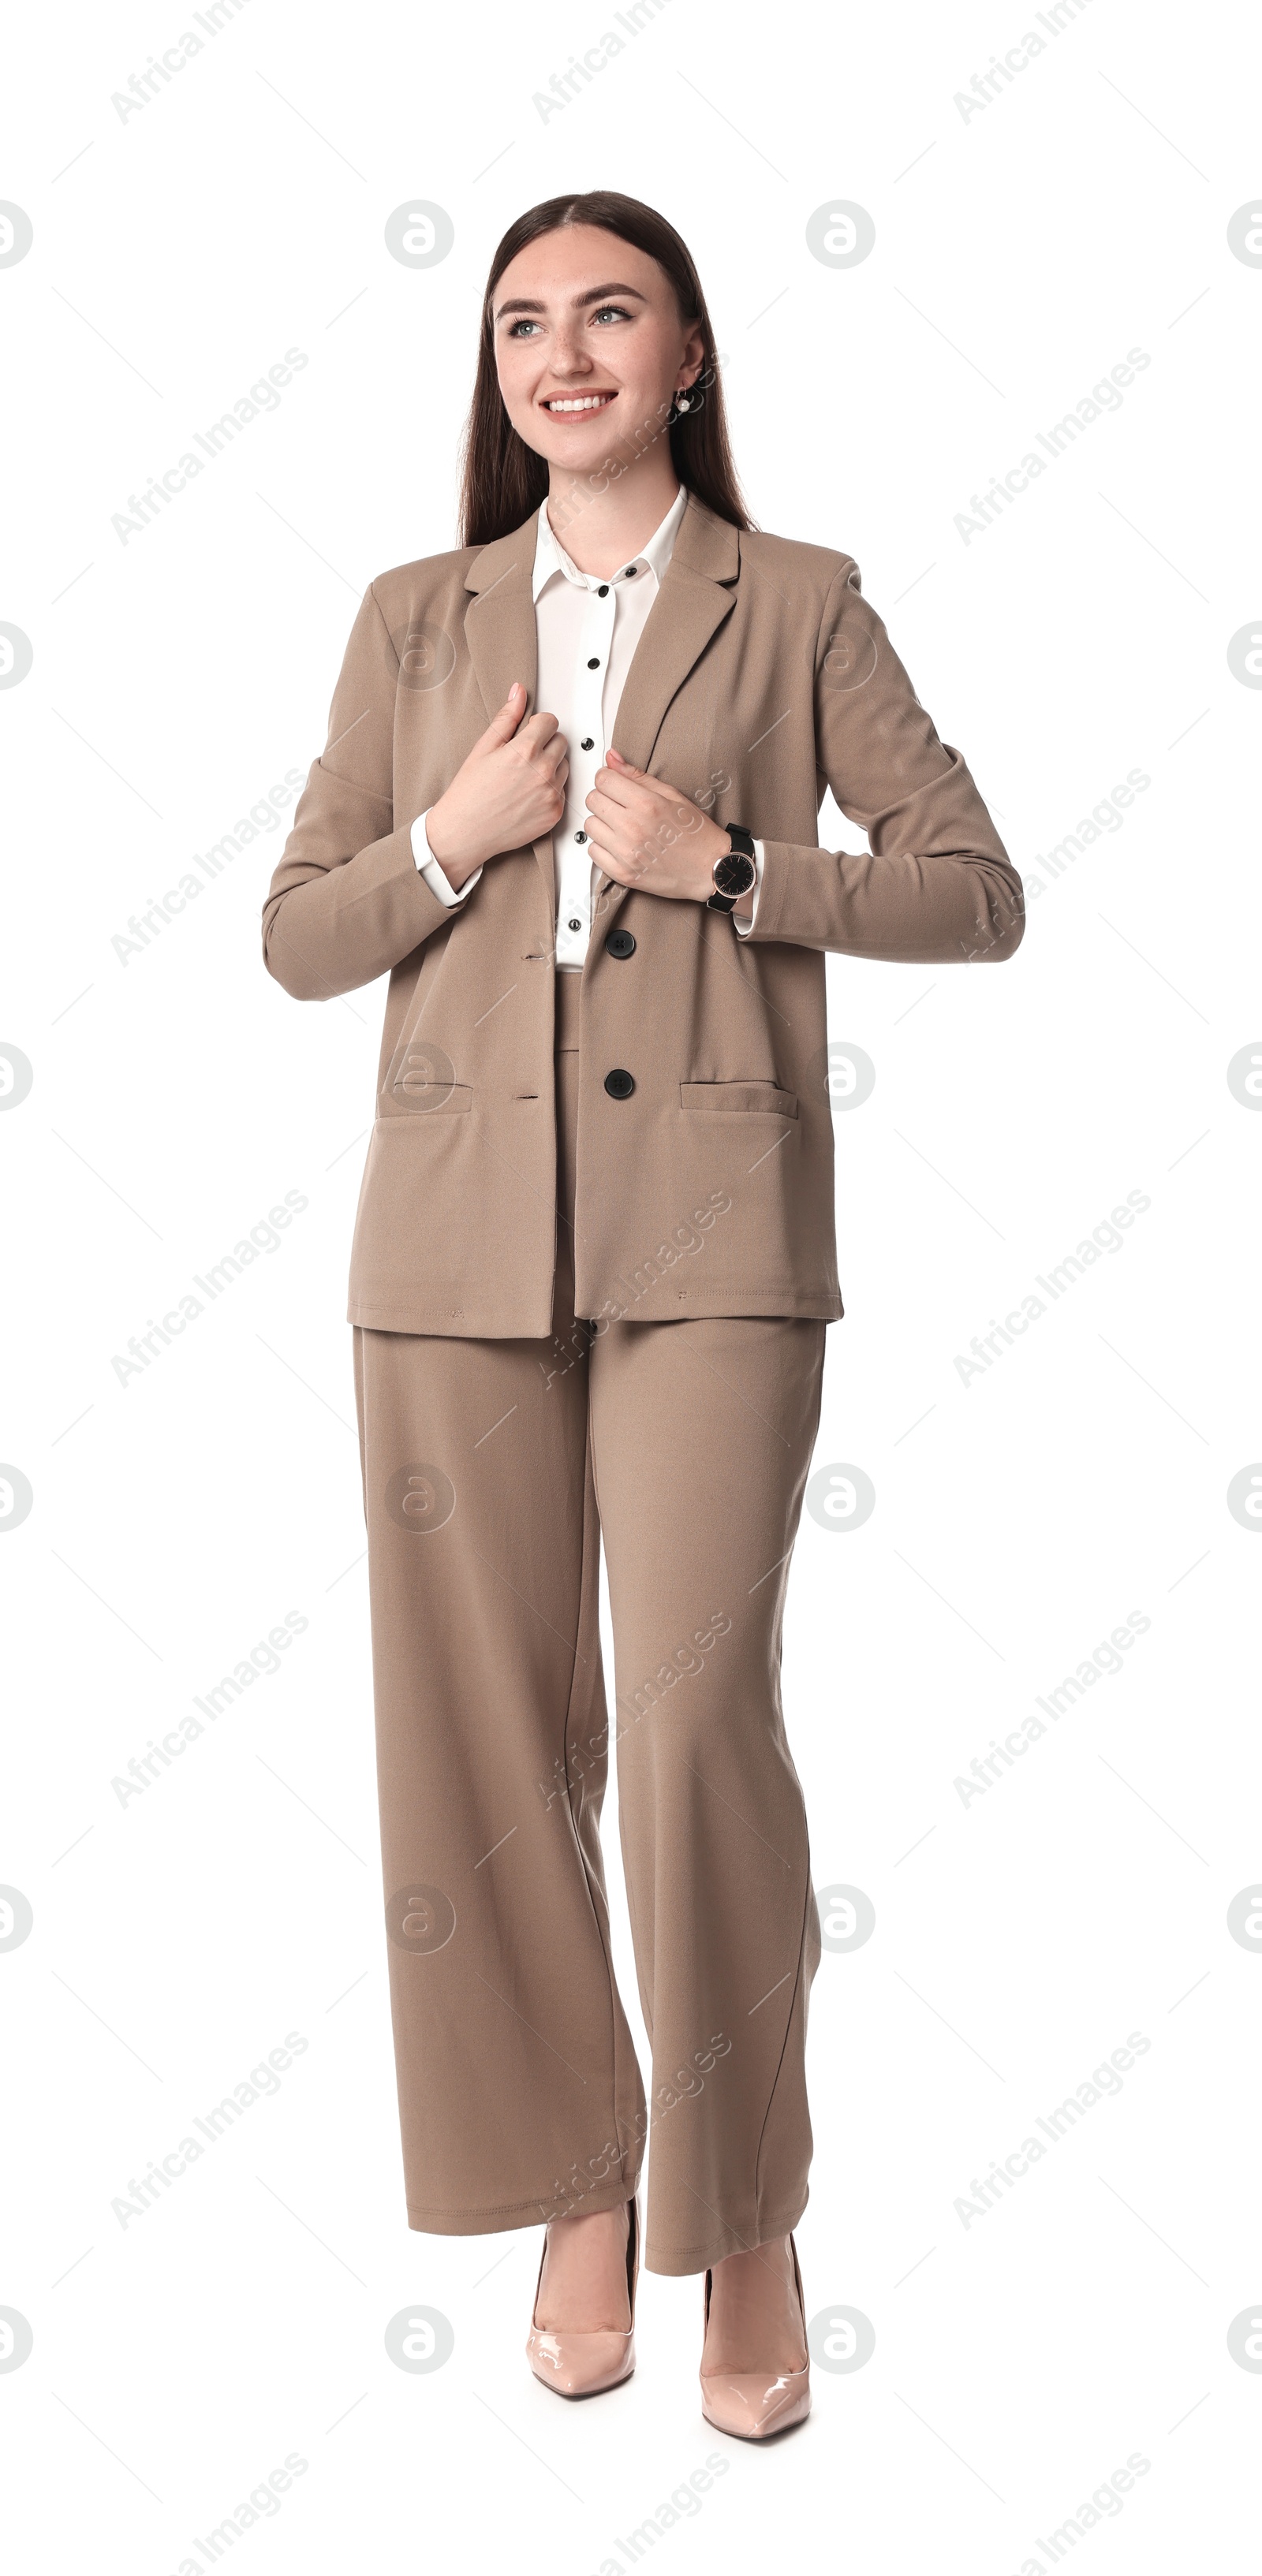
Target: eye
[
  {"x": 525, "y": 324},
  {"x": 617, "y": 311}
]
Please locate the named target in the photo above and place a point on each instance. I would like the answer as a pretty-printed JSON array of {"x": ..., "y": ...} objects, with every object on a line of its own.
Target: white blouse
[{"x": 587, "y": 630}]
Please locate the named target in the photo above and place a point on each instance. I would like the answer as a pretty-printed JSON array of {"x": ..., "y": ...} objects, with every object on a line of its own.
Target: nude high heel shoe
[
  {"x": 751, "y": 2403},
  {"x": 582, "y": 2364}
]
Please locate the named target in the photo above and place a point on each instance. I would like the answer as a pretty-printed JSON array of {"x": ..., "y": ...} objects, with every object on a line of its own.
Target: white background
[{"x": 1020, "y": 253}]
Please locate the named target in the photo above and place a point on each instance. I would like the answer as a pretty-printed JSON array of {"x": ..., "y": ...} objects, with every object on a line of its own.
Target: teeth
[{"x": 587, "y": 402}]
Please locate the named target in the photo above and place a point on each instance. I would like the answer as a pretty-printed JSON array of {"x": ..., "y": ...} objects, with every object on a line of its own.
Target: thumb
[
  {"x": 614, "y": 760},
  {"x": 505, "y": 721}
]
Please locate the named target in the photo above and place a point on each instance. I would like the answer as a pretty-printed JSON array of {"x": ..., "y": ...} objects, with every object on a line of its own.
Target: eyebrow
[{"x": 590, "y": 295}]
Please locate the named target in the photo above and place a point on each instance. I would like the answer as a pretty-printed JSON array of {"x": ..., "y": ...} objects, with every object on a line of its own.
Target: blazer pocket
[
  {"x": 744, "y": 1096},
  {"x": 421, "y": 1078},
  {"x": 422, "y": 1097}
]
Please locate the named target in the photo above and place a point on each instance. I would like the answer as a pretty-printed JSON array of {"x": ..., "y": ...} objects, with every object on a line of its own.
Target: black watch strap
[{"x": 741, "y": 845}]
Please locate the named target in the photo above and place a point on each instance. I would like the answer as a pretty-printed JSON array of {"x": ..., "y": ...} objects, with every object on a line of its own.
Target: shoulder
[
  {"x": 802, "y": 571},
  {"x": 807, "y": 578},
  {"x": 409, "y": 588}
]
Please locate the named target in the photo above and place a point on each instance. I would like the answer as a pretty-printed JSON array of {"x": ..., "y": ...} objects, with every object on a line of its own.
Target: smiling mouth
[{"x": 568, "y": 406}]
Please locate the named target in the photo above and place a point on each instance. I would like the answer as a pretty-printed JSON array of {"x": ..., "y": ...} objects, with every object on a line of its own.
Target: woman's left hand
[{"x": 647, "y": 834}]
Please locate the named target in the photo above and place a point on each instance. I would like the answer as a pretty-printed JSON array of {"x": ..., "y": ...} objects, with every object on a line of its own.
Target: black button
[
  {"x": 619, "y": 1084},
  {"x": 594, "y": 665},
  {"x": 631, "y": 568},
  {"x": 576, "y": 925},
  {"x": 620, "y": 943},
  {"x": 587, "y": 745},
  {"x": 603, "y": 592},
  {"x": 580, "y": 836}
]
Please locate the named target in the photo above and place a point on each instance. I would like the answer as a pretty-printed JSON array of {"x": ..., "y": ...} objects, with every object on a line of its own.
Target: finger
[
  {"x": 641, "y": 849},
  {"x": 620, "y": 790},
  {"x": 658, "y": 799},
  {"x": 641, "y": 778},
  {"x": 637, "y": 782},
  {"x": 636, "y": 792},
  {"x": 505, "y": 721},
  {"x": 539, "y": 728},
  {"x": 613, "y": 866},
  {"x": 629, "y": 864}
]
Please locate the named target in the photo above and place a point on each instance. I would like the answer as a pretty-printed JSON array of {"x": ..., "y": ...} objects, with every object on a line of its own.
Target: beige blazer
[{"x": 762, "y": 675}]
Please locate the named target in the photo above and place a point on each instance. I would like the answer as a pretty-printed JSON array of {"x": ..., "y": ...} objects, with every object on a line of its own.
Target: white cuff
[
  {"x": 743, "y": 928},
  {"x": 449, "y": 895}
]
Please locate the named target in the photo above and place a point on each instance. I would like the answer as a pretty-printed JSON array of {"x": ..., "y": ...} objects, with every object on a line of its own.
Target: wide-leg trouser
[{"x": 491, "y": 1470}]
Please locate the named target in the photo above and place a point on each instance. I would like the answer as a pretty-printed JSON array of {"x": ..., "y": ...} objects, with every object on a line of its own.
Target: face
[{"x": 589, "y": 345}]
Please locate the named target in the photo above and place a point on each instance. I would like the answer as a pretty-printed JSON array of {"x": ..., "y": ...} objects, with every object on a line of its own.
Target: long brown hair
[{"x": 502, "y": 479}]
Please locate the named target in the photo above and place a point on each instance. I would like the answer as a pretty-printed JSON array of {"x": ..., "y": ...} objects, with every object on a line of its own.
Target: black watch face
[{"x": 734, "y": 874}]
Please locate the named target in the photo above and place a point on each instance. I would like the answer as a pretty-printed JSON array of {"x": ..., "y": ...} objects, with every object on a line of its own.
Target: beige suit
[{"x": 581, "y": 1314}]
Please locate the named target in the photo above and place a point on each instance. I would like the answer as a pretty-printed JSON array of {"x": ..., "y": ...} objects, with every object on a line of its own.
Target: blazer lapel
[
  {"x": 500, "y": 631},
  {"x": 697, "y": 593}
]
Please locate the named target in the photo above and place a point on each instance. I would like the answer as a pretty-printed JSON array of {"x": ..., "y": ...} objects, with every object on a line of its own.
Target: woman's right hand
[{"x": 509, "y": 791}]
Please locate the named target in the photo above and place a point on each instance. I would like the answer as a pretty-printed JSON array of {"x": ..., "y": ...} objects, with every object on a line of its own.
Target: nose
[{"x": 569, "y": 357}]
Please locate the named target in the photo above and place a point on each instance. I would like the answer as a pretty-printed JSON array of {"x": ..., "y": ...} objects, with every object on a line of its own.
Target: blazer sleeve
[
  {"x": 937, "y": 883},
  {"x": 347, "y": 900}
]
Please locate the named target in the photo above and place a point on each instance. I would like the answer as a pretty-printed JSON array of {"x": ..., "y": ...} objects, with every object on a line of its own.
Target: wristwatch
[{"x": 733, "y": 871}]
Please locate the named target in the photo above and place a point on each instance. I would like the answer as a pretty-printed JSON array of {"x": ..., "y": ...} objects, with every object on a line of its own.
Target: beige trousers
[{"x": 491, "y": 1471}]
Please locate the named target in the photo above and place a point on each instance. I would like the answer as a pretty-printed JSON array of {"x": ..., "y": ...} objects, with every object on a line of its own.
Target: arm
[
  {"x": 348, "y": 900},
  {"x": 450, "y": 896},
  {"x": 937, "y": 883}
]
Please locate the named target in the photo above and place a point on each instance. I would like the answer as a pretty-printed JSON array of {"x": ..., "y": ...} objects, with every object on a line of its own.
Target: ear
[{"x": 693, "y": 357}]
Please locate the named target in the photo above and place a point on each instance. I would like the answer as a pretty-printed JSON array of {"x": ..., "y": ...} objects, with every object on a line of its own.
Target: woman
[{"x": 569, "y": 805}]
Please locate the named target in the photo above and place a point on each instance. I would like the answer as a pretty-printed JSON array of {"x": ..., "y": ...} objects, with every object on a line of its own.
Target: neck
[{"x": 602, "y": 530}]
